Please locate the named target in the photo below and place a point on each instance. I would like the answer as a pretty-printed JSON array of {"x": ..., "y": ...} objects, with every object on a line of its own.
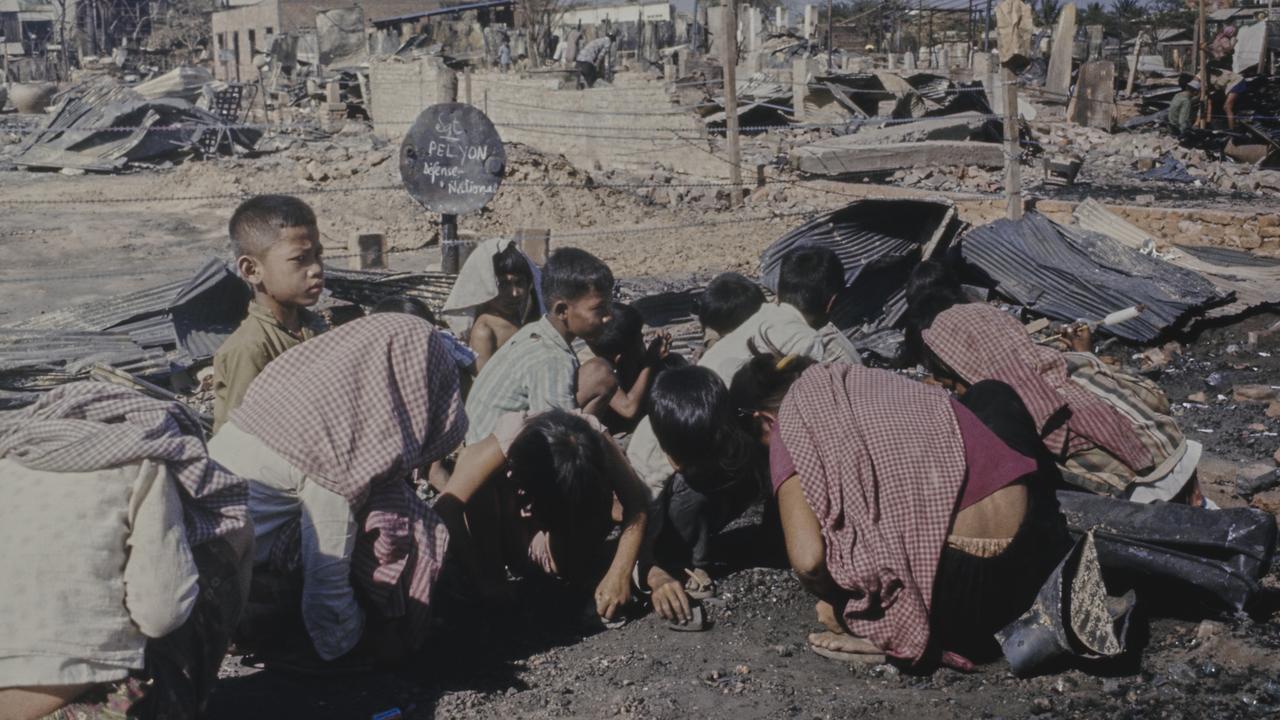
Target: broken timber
[{"x": 840, "y": 156}]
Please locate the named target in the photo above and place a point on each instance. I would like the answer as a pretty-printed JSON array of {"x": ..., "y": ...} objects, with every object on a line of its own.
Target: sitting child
[
  {"x": 494, "y": 296},
  {"x": 615, "y": 383},
  {"x": 923, "y": 524},
  {"x": 537, "y": 369},
  {"x": 552, "y": 478},
  {"x": 277, "y": 246},
  {"x": 729, "y": 300}
]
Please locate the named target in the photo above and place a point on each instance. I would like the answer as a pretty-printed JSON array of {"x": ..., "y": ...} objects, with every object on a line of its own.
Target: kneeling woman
[
  {"x": 538, "y": 494},
  {"x": 920, "y": 530},
  {"x": 327, "y": 437}
]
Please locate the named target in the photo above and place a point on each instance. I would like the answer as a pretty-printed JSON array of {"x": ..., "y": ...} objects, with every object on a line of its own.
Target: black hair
[
  {"x": 623, "y": 332},
  {"x": 730, "y": 298},
  {"x": 931, "y": 289},
  {"x": 407, "y": 305},
  {"x": 763, "y": 382},
  {"x": 512, "y": 262},
  {"x": 694, "y": 422},
  {"x": 571, "y": 274},
  {"x": 257, "y": 223},
  {"x": 809, "y": 278},
  {"x": 559, "y": 460}
]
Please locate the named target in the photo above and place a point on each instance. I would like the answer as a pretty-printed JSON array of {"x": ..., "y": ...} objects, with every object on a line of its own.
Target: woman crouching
[{"x": 909, "y": 514}]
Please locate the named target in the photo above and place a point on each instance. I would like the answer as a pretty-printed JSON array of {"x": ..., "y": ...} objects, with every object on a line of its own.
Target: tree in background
[
  {"x": 182, "y": 25},
  {"x": 1046, "y": 12}
]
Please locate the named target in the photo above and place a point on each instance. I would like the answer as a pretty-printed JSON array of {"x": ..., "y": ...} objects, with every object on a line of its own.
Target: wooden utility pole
[
  {"x": 1133, "y": 65},
  {"x": 1204, "y": 69},
  {"x": 450, "y": 252},
  {"x": 729, "y": 60},
  {"x": 830, "y": 22},
  {"x": 1012, "y": 153}
]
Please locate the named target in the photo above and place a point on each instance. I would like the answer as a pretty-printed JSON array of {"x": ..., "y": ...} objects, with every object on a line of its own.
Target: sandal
[{"x": 699, "y": 586}]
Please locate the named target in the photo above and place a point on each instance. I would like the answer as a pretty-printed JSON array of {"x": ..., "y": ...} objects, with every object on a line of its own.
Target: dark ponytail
[
  {"x": 763, "y": 382},
  {"x": 693, "y": 420}
]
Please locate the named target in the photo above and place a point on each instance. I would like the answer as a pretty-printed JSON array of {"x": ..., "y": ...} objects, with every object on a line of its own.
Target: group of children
[{"x": 919, "y": 514}]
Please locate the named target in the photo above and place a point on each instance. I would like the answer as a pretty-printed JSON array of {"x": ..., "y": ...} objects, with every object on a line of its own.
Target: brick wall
[{"x": 630, "y": 125}]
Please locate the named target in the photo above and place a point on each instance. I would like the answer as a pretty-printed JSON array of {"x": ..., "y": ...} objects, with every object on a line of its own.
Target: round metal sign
[{"x": 452, "y": 159}]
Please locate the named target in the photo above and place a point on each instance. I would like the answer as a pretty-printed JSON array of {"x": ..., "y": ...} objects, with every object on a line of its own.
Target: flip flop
[{"x": 697, "y": 588}]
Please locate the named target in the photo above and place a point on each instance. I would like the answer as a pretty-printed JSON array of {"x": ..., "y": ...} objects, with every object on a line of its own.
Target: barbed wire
[{"x": 564, "y": 235}]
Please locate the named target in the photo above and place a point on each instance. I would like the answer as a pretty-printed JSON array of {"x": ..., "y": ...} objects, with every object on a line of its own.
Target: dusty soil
[{"x": 538, "y": 661}]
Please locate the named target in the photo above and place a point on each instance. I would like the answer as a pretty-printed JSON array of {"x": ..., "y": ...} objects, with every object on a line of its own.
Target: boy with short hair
[
  {"x": 276, "y": 242},
  {"x": 729, "y": 300},
  {"x": 537, "y": 369},
  {"x": 502, "y": 317},
  {"x": 614, "y": 384}
]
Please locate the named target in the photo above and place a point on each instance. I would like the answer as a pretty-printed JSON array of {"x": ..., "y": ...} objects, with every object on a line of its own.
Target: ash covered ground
[
  {"x": 540, "y": 661},
  {"x": 537, "y": 660}
]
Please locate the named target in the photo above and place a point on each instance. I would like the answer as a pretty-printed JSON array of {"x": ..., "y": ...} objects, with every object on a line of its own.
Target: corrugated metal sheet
[
  {"x": 367, "y": 287},
  {"x": 1250, "y": 280},
  {"x": 879, "y": 242},
  {"x": 208, "y": 309},
  {"x": 103, "y": 314},
  {"x": 1070, "y": 275}
]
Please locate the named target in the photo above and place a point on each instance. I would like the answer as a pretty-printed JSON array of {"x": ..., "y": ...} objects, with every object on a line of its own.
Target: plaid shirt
[
  {"x": 89, "y": 426},
  {"x": 358, "y": 409},
  {"x": 535, "y": 370},
  {"x": 881, "y": 462},
  {"x": 979, "y": 342}
]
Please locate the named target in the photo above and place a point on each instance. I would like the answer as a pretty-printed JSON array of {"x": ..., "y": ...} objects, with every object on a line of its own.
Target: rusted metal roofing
[{"x": 1072, "y": 274}]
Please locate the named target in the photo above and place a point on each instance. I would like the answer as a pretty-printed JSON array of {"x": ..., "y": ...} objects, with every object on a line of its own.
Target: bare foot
[
  {"x": 827, "y": 617},
  {"x": 844, "y": 646}
]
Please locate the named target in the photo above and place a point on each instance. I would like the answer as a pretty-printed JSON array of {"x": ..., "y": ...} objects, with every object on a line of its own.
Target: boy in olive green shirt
[{"x": 277, "y": 246}]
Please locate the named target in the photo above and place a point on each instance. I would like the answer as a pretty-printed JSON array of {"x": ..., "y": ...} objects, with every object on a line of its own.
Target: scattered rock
[
  {"x": 1198, "y": 397},
  {"x": 1253, "y": 393},
  {"x": 1273, "y": 410},
  {"x": 1257, "y": 427}
]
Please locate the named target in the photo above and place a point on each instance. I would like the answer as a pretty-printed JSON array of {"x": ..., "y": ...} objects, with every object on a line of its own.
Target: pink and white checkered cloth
[
  {"x": 882, "y": 463},
  {"x": 358, "y": 409},
  {"x": 980, "y": 342},
  {"x": 87, "y": 426}
]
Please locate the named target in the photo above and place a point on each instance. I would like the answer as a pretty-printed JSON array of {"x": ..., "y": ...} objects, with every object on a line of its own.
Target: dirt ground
[{"x": 538, "y": 661}]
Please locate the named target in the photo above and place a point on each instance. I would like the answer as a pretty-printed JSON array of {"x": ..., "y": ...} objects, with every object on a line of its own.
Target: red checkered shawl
[
  {"x": 980, "y": 342},
  {"x": 882, "y": 463},
  {"x": 358, "y": 409},
  {"x": 87, "y": 426}
]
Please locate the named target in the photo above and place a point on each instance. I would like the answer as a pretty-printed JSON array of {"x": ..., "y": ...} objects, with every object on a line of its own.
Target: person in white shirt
[{"x": 683, "y": 518}]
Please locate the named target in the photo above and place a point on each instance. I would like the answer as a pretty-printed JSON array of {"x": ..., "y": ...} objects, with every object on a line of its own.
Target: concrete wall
[
  {"x": 602, "y": 132},
  {"x": 618, "y": 13},
  {"x": 232, "y": 26}
]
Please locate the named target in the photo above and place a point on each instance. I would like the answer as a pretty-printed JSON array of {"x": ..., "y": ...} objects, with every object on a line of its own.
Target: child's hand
[
  {"x": 669, "y": 598},
  {"x": 611, "y": 594},
  {"x": 659, "y": 348}
]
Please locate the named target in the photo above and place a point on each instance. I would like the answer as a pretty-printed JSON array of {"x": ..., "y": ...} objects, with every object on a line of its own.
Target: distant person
[
  {"x": 276, "y": 242},
  {"x": 537, "y": 369},
  {"x": 618, "y": 378},
  {"x": 1182, "y": 107},
  {"x": 504, "y": 56},
  {"x": 593, "y": 59},
  {"x": 1239, "y": 97},
  {"x": 494, "y": 296}
]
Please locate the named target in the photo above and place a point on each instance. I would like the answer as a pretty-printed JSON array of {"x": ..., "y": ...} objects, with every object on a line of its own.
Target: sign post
[{"x": 452, "y": 162}]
